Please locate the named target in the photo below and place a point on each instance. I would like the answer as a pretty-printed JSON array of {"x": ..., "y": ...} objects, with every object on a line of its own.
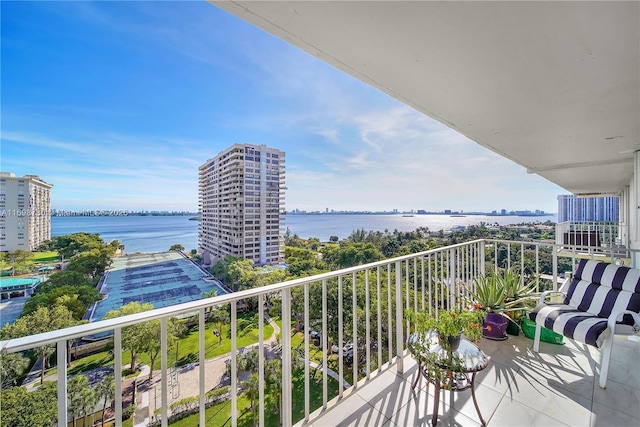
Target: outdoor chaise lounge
[{"x": 601, "y": 298}]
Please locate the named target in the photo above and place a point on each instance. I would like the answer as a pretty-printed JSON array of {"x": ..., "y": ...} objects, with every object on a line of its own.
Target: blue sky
[{"x": 118, "y": 103}]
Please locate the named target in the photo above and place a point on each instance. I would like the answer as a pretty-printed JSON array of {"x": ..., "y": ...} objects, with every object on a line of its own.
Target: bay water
[{"x": 159, "y": 233}]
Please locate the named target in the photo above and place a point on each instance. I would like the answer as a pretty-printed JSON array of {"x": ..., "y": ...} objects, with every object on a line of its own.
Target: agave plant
[
  {"x": 519, "y": 293},
  {"x": 488, "y": 293}
]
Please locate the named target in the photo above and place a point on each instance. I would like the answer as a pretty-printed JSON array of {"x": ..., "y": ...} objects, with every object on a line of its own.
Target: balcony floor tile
[{"x": 556, "y": 387}]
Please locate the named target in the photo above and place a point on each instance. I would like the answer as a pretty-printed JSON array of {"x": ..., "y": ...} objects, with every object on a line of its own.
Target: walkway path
[
  {"x": 333, "y": 374},
  {"x": 149, "y": 398},
  {"x": 188, "y": 380}
]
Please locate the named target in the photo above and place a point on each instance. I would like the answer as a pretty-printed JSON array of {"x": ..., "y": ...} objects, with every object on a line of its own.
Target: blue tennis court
[{"x": 161, "y": 279}]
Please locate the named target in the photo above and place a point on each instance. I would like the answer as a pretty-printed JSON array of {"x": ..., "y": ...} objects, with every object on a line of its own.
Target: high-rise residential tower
[
  {"x": 25, "y": 212},
  {"x": 578, "y": 209},
  {"x": 241, "y": 199}
]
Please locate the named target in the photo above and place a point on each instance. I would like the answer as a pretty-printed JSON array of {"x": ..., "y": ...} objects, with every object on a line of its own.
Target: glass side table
[{"x": 454, "y": 371}]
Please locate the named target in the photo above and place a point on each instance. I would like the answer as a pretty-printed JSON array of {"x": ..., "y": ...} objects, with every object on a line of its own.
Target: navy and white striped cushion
[
  {"x": 571, "y": 322},
  {"x": 600, "y": 289},
  {"x": 597, "y": 290}
]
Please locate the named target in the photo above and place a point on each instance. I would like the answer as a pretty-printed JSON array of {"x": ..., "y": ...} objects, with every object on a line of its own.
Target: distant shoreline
[
  {"x": 532, "y": 214},
  {"x": 196, "y": 215}
]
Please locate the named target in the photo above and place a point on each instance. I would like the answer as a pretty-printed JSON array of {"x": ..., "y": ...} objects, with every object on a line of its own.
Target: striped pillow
[{"x": 599, "y": 289}]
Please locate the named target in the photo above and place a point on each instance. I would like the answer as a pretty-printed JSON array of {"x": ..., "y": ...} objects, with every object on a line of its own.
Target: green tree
[
  {"x": 350, "y": 253},
  {"x": 106, "y": 390},
  {"x": 22, "y": 408},
  {"x": 177, "y": 247},
  {"x": 273, "y": 380},
  {"x": 72, "y": 244},
  {"x": 76, "y": 299},
  {"x": 219, "y": 269},
  {"x": 81, "y": 397},
  {"x": 253, "y": 388},
  {"x": 313, "y": 243},
  {"x": 131, "y": 335},
  {"x": 12, "y": 365},
  {"x": 44, "y": 319},
  {"x": 20, "y": 261},
  {"x": 249, "y": 361},
  {"x": 220, "y": 317},
  {"x": 150, "y": 339},
  {"x": 66, "y": 278},
  {"x": 334, "y": 239},
  {"x": 90, "y": 263},
  {"x": 240, "y": 273}
]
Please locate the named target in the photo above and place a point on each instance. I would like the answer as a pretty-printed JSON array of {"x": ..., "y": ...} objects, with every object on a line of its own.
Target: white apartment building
[
  {"x": 241, "y": 197},
  {"x": 25, "y": 212},
  {"x": 578, "y": 209}
]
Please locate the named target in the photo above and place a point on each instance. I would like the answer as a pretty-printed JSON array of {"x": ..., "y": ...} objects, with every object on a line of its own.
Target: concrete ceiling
[{"x": 553, "y": 86}]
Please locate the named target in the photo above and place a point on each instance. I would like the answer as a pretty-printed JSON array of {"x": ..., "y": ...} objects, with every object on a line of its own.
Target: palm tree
[
  {"x": 76, "y": 392},
  {"x": 212, "y": 293},
  {"x": 89, "y": 401},
  {"x": 106, "y": 390},
  {"x": 273, "y": 379},
  {"x": 253, "y": 386},
  {"x": 12, "y": 365}
]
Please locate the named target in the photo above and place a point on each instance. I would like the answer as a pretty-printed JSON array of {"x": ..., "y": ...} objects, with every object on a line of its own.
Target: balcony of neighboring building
[{"x": 599, "y": 239}]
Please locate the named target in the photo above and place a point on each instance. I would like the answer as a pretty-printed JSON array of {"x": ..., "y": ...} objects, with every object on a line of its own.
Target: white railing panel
[{"x": 429, "y": 280}]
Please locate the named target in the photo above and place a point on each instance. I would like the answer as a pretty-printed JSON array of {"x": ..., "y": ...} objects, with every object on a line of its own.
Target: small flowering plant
[
  {"x": 441, "y": 363},
  {"x": 448, "y": 323}
]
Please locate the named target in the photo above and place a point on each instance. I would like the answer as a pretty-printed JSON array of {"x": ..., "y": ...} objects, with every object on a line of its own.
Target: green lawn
[
  {"x": 40, "y": 257},
  {"x": 219, "y": 414},
  {"x": 188, "y": 348}
]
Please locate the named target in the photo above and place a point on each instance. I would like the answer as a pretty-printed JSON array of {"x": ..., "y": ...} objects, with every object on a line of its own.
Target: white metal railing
[{"x": 361, "y": 305}]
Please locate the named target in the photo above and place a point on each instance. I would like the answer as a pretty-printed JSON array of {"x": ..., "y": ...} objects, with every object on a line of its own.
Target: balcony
[
  {"x": 519, "y": 387},
  {"x": 365, "y": 305},
  {"x": 599, "y": 239}
]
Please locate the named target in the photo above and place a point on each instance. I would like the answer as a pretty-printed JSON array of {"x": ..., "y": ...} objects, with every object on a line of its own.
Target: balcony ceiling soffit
[{"x": 540, "y": 83}]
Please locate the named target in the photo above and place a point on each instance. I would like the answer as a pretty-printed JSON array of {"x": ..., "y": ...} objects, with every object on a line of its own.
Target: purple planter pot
[{"x": 495, "y": 326}]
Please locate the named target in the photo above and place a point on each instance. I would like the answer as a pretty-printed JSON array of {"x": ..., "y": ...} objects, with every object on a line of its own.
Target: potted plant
[
  {"x": 442, "y": 363},
  {"x": 498, "y": 294},
  {"x": 520, "y": 295},
  {"x": 449, "y": 324},
  {"x": 488, "y": 295}
]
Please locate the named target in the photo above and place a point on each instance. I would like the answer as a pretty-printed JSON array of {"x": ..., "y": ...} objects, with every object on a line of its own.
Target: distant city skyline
[
  {"x": 118, "y": 103},
  {"x": 125, "y": 212},
  {"x": 427, "y": 212}
]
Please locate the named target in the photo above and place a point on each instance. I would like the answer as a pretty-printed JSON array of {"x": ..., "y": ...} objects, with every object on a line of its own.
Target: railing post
[
  {"x": 163, "y": 364},
  {"x": 234, "y": 363},
  {"x": 367, "y": 323},
  {"x": 201, "y": 360},
  {"x": 117, "y": 355},
  {"x": 261, "y": 358},
  {"x": 286, "y": 357},
  {"x": 555, "y": 269},
  {"x": 399, "y": 332},
  {"x": 354, "y": 321},
  {"x": 452, "y": 279},
  {"x": 62, "y": 382},
  {"x": 340, "y": 338},
  {"x": 307, "y": 392},
  {"x": 482, "y": 257},
  {"x": 324, "y": 346}
]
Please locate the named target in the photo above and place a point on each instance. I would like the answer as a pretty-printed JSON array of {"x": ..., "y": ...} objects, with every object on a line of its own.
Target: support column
[{"x": 634, "y": 210}]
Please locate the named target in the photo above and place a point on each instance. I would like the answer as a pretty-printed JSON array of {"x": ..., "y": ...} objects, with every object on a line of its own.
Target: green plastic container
[{"x": 546, "y": 335}]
